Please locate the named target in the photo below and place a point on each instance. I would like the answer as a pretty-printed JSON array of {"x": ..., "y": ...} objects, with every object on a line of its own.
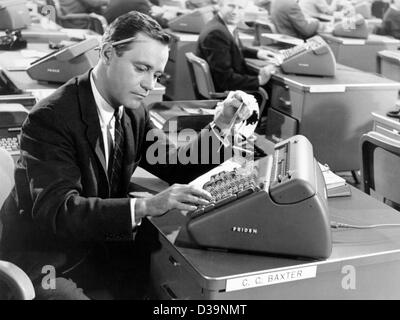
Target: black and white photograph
[{"x": 196, "y": 157}]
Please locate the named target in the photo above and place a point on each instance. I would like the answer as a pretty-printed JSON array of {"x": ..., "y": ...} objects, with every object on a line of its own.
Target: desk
[
  {"x": 372, "y": 256},
  {"x": 332, "y": 113},
  {"x": 178, "y": 85},
  {"x": 389, "y": 64},
  {"x": 359, "y": 53},
  {"x": 14, "y": 64}
]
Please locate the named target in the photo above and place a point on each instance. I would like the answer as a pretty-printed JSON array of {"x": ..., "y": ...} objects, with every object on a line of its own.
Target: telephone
[
  {"x": 352, "y": 27},
  {"x": 66, "y": 63},
  {"x": 12, "y": 40},
  {"x": 276, "y": 205},
  {"x": 314, "y": 57}
]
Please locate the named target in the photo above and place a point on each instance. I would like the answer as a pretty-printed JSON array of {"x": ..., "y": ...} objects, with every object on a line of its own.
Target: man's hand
[
  {"x": 226, "y": 110},
  {"x": 263, "y": 54},
  {"x": 326, "y": 27},
  {"x": 265, "y": 74},
  {"x": 178, "y": 196}
]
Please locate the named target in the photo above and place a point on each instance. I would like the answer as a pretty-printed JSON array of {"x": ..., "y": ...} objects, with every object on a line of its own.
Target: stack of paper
[{"x": 336, "y": 186}]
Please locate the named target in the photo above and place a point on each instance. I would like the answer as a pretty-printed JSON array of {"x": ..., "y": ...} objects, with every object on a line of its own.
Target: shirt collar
[
  {"x": 394, "y": 7},
  {"x": 106, "y": 112}
]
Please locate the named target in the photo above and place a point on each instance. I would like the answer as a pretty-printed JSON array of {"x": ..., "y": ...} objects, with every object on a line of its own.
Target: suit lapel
[
  {"x": 235, "y": 46},
  {"x": 91, "y": 118}
]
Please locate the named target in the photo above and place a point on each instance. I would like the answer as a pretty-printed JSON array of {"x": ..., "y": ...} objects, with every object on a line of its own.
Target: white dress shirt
[{"x": 107, "y": 124}]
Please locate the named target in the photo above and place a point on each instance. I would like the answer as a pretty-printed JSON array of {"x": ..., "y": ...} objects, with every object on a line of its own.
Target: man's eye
[{"x": 141, "y": 68}]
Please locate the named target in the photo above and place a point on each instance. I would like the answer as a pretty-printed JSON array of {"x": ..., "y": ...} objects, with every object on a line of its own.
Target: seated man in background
[
  {"x": 391, "y": 20},
  {"x": 81, "y": 6},
  {"x": 219, "y": 45},
  {"x": 289, "y": 19},
  {"x": 312, "y": 8},
  {"x": 70, "y": 209},
  {"x": 117, "y": 8}
]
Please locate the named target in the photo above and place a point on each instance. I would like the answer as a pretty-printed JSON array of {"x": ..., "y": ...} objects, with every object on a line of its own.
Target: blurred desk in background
[{"x": 361, "y": 54}]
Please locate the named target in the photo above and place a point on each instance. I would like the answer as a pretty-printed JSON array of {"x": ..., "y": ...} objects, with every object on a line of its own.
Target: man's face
[
  {"x": 232, "y": 10},
  {"x": 132, "y": 76}
]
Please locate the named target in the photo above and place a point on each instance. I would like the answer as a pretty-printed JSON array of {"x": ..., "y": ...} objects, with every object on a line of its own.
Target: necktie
[{"x": 116, "y": 157}]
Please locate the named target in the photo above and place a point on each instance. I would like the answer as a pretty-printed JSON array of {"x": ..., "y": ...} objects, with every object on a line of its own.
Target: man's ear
[{"x": 106, "y": 53}]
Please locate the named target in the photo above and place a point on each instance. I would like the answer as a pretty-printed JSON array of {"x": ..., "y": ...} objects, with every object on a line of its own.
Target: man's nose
[{"x": 148, "y": 82}]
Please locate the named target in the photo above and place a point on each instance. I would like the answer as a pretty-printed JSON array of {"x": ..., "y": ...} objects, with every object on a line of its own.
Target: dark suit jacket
[
  {"x": 289, "y": 19},
  {"x": 117, "y": 8},
  {"x": 217, "y": 46},
  {"x": 391, "y": 23},
  {"x": 60, "y": 208}
]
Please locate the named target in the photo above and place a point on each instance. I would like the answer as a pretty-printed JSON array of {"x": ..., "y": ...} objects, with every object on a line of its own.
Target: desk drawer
[
  {"x": 170, "y": 279},
  {"x": 280, "y": 99}
]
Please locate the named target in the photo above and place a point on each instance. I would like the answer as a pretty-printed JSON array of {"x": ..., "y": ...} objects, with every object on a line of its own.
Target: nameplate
[{"x": 270, "y": 278}]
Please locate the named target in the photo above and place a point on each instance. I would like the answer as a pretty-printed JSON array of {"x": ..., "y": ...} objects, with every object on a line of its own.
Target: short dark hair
[{"x": 130, "y": 24}]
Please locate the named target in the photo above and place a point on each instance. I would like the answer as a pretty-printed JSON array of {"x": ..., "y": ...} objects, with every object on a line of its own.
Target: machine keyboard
[
  {"x": 10, "y": 144},
  {"x": 226, "y": 187}
]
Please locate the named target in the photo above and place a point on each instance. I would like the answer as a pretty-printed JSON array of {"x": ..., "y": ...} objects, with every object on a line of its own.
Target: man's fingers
[
  {"x": 193, "y": 200},
  {"x": 244, "y": 113},
  {"x": 185, "y": 207},
  {"x": 200, "y": 193}
]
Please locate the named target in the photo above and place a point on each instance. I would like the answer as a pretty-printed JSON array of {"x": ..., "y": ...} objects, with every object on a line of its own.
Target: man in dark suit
[
  {"x": 117, "y": 8},
  {"x": 219, "y": 46},
  {"x": 289, "y": 19},
  {"x": 79, "y": 147}
]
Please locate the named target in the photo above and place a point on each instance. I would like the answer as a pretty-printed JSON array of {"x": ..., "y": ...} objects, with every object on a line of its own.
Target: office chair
[
  {"x": 378, "y": 8},
  {"x": 14, "y": 282},
  {"x": 203, "y": 84},
  {"x": 91, "y": 21},
  {"x": 380, "y": 163}
]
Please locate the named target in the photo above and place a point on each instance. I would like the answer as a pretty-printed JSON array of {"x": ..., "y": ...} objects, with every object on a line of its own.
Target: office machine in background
[
  {"x": 12, "y": 40},
  {"x": 192, "y": 22},
  {"x": 360, "y": 54},
  {"x": 14, "y": 14},
  {"x": 66, "y": 63},
  {"x": 353, "y": 27},
  {"x": 12, "y": 116},
  {"x": 277, "y": 41},
  {"x": 278, "y": 206},
  {"x": 314, "y": 57},
  {"x": 10, "y": 93}
]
